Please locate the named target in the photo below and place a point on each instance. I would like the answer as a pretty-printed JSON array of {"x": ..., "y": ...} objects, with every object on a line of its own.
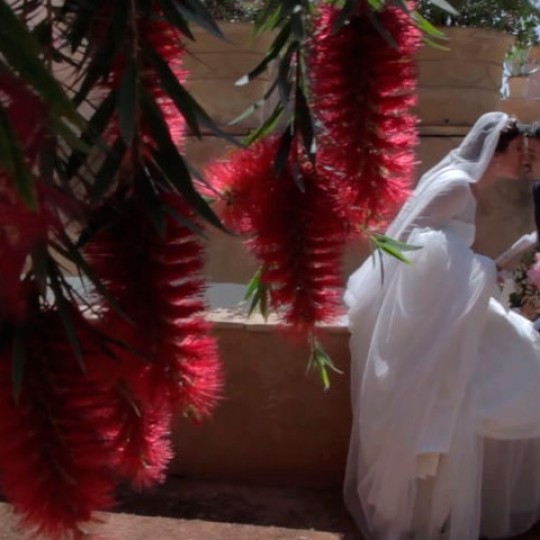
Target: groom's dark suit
[{"x": 536, "y": 200}]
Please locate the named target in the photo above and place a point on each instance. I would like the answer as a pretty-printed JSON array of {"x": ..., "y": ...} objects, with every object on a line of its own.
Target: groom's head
[{"x": 533, "y": 150}]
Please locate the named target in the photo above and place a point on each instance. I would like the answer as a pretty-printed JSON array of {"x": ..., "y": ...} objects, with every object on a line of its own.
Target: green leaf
[
  {"x": 271, "y": 15},
  {"x": 172, "y": 164},
  {"x": 259, "y": 104},
  {"x": 443, "y": 4},
  {"x": 184, "y": 221},
  {"x": 101, "y": 61},
  {"x": 348, "y": 7},
  {"x": 402, "y": 246},
  {"x": 174, "y": 17},
  {"x": 258, "y": 292},
  {"x": 321, "y": 360},
  {"x": 72, "y": 252},
  {"x": 253, "y": 284},
  {"x": 105, "y": 178},
  {"x": 94, "y": 129},
  {"x": 71, "y": 137},
  {"x": 193, "y": 113},
  {"x": 304, "y": 122},
  {"x": 284, "y": 150},
  {"x": 273, "y": 52},
  {"x": 197, "y": 12},
  {"x": 381, "y": 28},
  {"x": 13, "y": 162},
  {"x": 127, "y": 102},
  {"x": 392, "y": 247},
  {"x": 428, "y": 28},
  {"x": 84, "y": 15},
  {"x": 66, "y": 313},
  {"x": 21, "y": 50},
  {"x": 19, "y": 363},
  {"x": 269, "y": 125},
  {"x": 284, "y": 73},
  {"x": 153, "y": 204}
]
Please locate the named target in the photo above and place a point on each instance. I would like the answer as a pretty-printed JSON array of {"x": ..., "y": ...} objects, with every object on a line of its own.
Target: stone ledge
[
  {"x": 237, "y": 317},
  {"x": 134, "y": 527}
]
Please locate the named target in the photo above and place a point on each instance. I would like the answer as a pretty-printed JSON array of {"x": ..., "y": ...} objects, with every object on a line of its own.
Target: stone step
[
  {"x": 192, "y": 510},
  {"x": 134, "y": 527}
]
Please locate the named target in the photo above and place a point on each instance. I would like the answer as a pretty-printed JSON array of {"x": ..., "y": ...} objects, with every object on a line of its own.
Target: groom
[{"x": 532, "y": 165}]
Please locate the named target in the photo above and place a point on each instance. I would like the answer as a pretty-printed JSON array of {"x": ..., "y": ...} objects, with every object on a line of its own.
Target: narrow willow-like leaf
[
  {"x": 383, "y": 31},
  {"x": 193, "y": 113},
  {"x": 347, "y": 7},
  {"x": 175, "y": 18},
  {"x": 101, "y": 62},
  {"x": 321, "y": 360},
  {"x": 18, "y": 363},
  {"x": 268, "y": 125},
  {"x": 84, "y": 15},
  {"x": 258, "y": 292},
  {"x": 443, "y": 4},
  {"x": 273, "y": 52},
  {"x": 304, "y": 122},
  {"x": 105, "y": 178},
  {"x": 72, "y": 253},
  {"x": 272, "y": 15},
  {"x": 13, "y": 162},
  {"x": 284, "y": 150},
  {"x": 171, "y": 163},
  {"x": 65, "y": 313},
  {"x": 127, "y": 101},
  {"x": 20, "y": 49},
  {"x": 195, "y": 11},
  {"x": 402, "y": 246},
  {"x": 284, "y": 73},
  {"x": 94, "y": 130},
  {"x": 153, "y": 204},
  {"x": 393, "y": 248},
  {"x": 428, "y": 28},
  {"x": 259, "y": 104},
  {"x": 253, "y": 284}
]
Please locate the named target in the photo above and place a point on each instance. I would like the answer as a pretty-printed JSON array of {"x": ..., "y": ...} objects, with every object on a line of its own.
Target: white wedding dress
[{"x": 445, "y": 382}]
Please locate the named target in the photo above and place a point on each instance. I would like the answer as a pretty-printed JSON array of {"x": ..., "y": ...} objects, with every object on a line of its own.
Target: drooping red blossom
[
  {"x": 158, "y": 282},
  {"x": 57, "y": 457},
  {"x": 363, "y": 89},
  {"x": 143, "y": 441},
  {"x": 296, "y": 229},
  {"x": 233, "y": 182}
]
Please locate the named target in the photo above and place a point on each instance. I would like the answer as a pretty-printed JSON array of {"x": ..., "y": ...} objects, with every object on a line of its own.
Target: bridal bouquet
[{"x": 526, "y": 293}]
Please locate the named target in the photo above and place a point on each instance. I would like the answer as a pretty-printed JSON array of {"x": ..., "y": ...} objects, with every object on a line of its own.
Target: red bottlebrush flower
[
  {"x": 362, "y": 87},
  {"x": 157, "y": 281},
  {"x": 57, "y": 456},
  {"x": 234, "y": 182},
  {"x": 143, "y": 441},
  {"x": 297, "y": 233}
]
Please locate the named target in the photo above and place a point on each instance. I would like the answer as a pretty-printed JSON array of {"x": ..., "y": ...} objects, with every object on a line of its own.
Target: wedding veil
[{"x": 468, "y": 161}]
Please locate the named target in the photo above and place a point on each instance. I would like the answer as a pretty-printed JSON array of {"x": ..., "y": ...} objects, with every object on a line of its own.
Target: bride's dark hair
[{"x": 511, "y": 131}]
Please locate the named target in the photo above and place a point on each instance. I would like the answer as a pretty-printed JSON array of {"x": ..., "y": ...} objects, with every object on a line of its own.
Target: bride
[{"x": 445, "y": 440}]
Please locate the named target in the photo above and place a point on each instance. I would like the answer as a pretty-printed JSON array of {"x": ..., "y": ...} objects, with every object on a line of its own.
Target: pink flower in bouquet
[{"x": 533, "y": 274}]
